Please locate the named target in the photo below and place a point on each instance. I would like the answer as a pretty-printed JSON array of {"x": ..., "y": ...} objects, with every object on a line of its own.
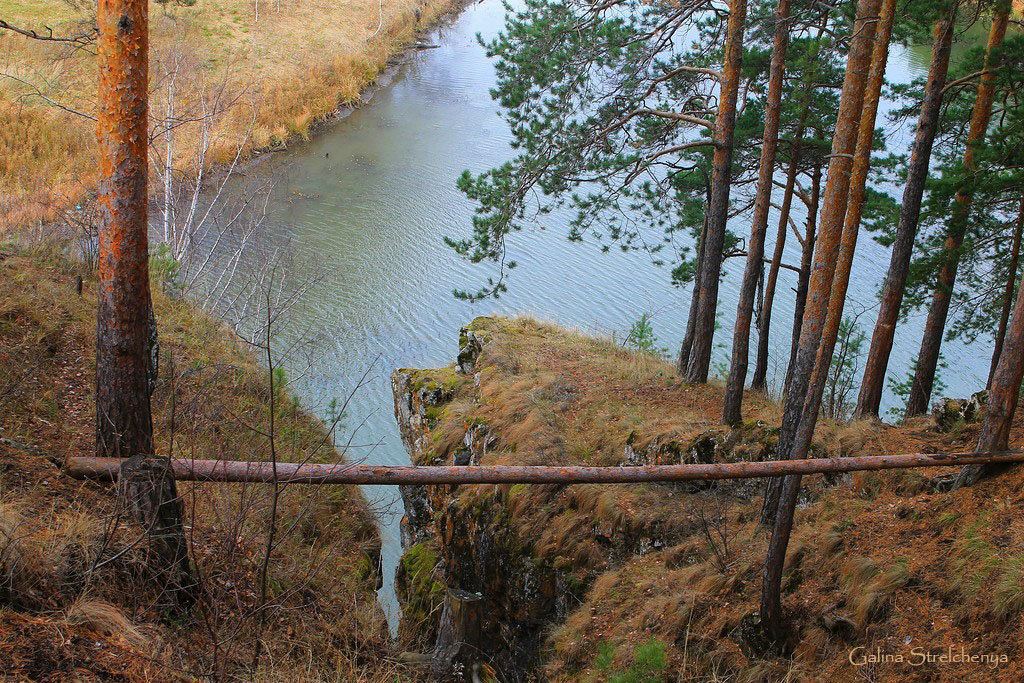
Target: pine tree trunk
[
  {"x": 837, "y": 186},
  {"x": 691, "y": 319},
  {"x": 710, "y": 266},
  {"x": 1011, "y": 282},
  {"x": 760, "y": 378},
  {"x": 1002, "y": 396},
  {"x": 873, "y": 383},
  {"x": 804, "y": 277},
  {"x": 935, "y": 326},
  {"x": 759, "y": 223},
  {"x": 851, "y": 226},
  {"x": 148, "y": 491},
  {"x": 124, "y": 425}
]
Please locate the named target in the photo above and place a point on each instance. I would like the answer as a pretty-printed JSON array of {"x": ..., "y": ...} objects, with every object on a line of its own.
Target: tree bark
[
  {"x": 873, "y": 383},
  {"x": 124, "y": 425},
  {"x": 804, "y": 277},
  {"x": 1011, "y": 282},
  {"x": 759, "y": 223},
  {"x": 691, "y": 318},
  {"x": 760, "y": 378},
  {"x": 851, "y": 222},
  {"x": 837, "y": 185},
  {"x": 458, "y": 637},
  {"x": 261, "y": 472},
  {"x": 935, "y": 326},
  {"x": 1002, "y": 397},
  {"x": 710, "y": 266},
  {"x": 146, "y": 487}
]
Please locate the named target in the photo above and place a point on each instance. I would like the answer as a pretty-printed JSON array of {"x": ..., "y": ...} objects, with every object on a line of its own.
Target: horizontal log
[{"x": 312, "y": 473}]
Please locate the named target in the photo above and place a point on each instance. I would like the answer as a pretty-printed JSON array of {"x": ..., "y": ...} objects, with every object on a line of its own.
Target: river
[{"x": 371, "y": 197}]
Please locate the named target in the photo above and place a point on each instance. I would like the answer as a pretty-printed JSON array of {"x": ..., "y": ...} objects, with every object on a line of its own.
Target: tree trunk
[
  {"x": 1011, "y": 282},
  {"x": 759, "y": 223},
  {"x": 262, "y": 472},
  {"x": 146, "y": 487},
  {"x": 818, "y": 300},
  {"x": 1002, "y": 397},
  {"x": 691, "y": 318},
  {"x": 458, "y": 637},
  {"x": 804, "y": 277},
  {"x": 760, "y": 378},
  {"x": 718, "y": 209},
  {"x": 873, "y": 383},
  {"x": 935, "y": 326},
  {"x": 123, "y": 423},
  {"x": 854, "y": 212}
]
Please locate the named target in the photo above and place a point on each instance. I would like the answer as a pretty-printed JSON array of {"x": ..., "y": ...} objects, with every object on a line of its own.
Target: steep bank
[
  {"x": 261, "y": 80},
  {"x": 72, "y": 602},
  {"x": 590, "y": 582}
]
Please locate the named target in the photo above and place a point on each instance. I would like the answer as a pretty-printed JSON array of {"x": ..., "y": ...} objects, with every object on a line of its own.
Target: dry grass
[
  {"x": 284, "y": 73},
  {"x": 875, "y": 559},
  {"x": 105, "y": 618},
  {"x": 53, "y": 529}
]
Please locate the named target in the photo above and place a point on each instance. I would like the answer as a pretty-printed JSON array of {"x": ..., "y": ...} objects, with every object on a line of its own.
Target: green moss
[
  {"x": 434, "y": 414},
  {"x": 650, "y": 662},
  {"x": 423, "y": 593},
  {"x": 446, "y": 379}
]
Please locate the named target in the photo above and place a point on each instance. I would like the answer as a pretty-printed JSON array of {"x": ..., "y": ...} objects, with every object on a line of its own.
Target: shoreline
[
  {"x": 384, "y": 78},
  {"x": 371, "y": 64}
]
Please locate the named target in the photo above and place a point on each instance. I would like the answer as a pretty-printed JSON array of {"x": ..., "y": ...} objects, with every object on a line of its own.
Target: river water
[{"x": 371, "y": 197}]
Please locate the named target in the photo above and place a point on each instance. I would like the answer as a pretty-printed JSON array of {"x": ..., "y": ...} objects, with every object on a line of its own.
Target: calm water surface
[{"x": 372, "y": 196}]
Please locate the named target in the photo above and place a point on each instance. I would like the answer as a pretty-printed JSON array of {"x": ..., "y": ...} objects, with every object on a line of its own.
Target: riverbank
[
  {"x": 72, "y": 598},
  {"x": 257, "y": 81},
  {"x": 662, "y": 581}
]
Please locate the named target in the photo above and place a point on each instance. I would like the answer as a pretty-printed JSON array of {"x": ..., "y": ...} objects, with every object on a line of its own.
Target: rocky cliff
[
  {"x": 489, "y": 569},
  {"x": 661, "y": 581}
]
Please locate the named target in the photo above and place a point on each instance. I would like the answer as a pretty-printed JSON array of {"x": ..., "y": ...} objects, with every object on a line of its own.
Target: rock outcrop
[
  {"x": 488, "y": 570},
  {"x": 950, "y": 413}
]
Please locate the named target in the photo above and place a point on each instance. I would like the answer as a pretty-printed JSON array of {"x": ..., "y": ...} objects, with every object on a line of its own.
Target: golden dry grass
[
  {"x": 876, "y": 558},
  {"x": 284, "y": 72},
  {"x": 53, "y": 528}
]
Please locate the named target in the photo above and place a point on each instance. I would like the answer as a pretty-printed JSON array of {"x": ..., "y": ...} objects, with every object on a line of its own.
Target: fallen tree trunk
[{"x": 311, "y": 473}]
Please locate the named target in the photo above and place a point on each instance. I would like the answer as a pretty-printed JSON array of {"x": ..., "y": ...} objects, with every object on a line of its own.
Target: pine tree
[
  {"x": 124, "y": 425},
  {"x": 927, "y": 359}
]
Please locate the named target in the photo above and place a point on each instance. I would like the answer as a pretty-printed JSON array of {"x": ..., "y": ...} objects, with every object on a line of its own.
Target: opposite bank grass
[{"x": 281, "y": 74}]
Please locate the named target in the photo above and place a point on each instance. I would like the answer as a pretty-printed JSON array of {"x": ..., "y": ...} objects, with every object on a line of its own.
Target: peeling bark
[{"x": 124, "y": 425}]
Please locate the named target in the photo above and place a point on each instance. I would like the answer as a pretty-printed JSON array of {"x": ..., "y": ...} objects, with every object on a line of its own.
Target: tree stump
[{"x": 458, "y": 633}]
